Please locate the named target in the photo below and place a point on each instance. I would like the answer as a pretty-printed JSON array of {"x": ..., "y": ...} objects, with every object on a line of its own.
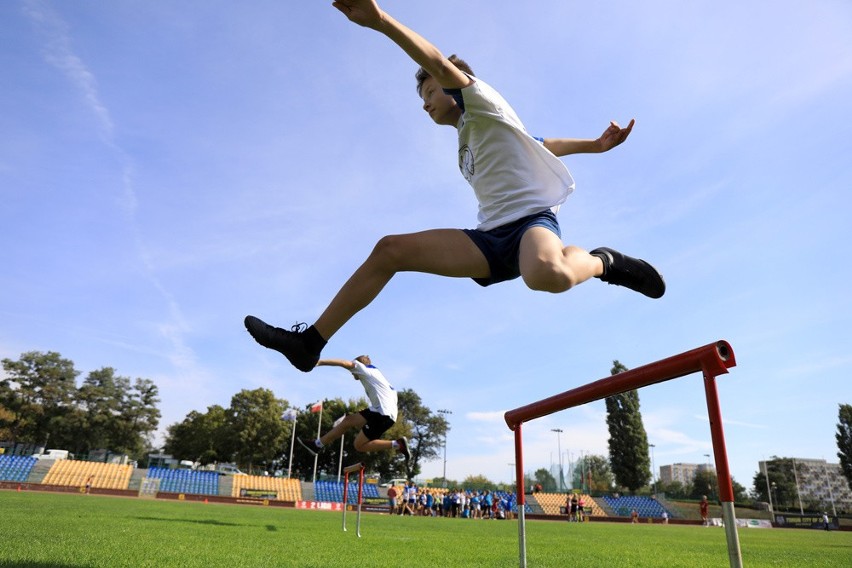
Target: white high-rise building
[
  {"x": 682, "y": 472},
  {"x": 820, "y": 484}
]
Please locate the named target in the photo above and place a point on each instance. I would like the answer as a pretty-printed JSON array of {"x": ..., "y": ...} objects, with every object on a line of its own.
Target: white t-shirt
[
  {"x": 382, "y": 396},
  {"x": 512, "y": 174}
]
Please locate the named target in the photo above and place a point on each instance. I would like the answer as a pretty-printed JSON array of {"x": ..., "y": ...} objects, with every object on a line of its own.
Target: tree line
[
  {"x": 256, "y": 434},
  {"x": 41, "y": 404}
]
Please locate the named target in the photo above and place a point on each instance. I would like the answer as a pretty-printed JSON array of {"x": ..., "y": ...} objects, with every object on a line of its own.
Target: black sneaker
[
  {"x": 633, "y": 273},
  {"x": 309, "y": 445},
  {"x": 402, "y": 447},
  {"x": 291, "y": 344}
]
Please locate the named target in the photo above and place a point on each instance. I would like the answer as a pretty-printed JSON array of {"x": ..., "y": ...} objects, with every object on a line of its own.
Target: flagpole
[
  {"x": 316, "y": 454},
  {"x": 292, "y": 441}
]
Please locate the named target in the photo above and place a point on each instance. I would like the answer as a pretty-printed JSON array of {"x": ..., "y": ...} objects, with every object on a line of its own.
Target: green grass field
[{"x": 40, "y": 530}]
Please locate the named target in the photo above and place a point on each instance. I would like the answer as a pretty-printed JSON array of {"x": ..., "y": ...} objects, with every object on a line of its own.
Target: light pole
[
  {"x": 709, "y": 486},
  {"x": 445, "y": 413},
  {"x": 559, "y": 448},
  {"x": 653, "y": 471},
  {"x": 830, "y": 492},
  {"x": 768, "y": 489}
]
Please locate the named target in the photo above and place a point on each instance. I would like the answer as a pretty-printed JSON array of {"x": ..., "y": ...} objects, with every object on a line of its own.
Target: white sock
[{"x": 395, "y": 445}]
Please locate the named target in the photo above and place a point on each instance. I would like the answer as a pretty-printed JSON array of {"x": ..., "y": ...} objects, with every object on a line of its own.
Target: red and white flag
[{"x": 317, "y": 407}]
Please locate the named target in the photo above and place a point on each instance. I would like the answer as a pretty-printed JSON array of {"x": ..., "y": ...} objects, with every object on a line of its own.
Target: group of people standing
[
  {"x": 455, "y": 503},
  {"x": 575, "y": 508}
]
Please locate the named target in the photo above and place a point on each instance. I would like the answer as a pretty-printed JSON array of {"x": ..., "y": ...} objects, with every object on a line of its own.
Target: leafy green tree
[
  {"x": 424, "y": 429},
  {"x": 141, "y": 419},
  {"x": 478, "y": 483},
  {"x": 543, "y": 477},
  {"x": 100, "y": 398},
  {"x": 42, "y": 404},
  {"x": 704, "y": 483},
  {"x": 592, "y": 474},
  {"x": 202, "y": 437},
  {"x": 115, "y": 414},
  {"x": 37, "y": 393},
  {"x": 328, "y": 460},
  {"x": 440, "y": 482},
  {"x": 844, "y": 441},
  {"x": 782, "y": 483},
  {"x": 740, "y": 492},
  {"x": 673, "y": 490},
  {"x": 7, "y": 417},
  {"x": 257, "y": 427},
  {"x": 628, "y": 442}
]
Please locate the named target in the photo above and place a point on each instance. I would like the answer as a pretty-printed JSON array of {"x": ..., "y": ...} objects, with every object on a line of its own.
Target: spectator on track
[{"x": 392, "y": 495}]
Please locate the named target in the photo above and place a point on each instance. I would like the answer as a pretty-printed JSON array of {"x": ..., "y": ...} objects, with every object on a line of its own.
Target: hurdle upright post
[
  {"x": 723, "y": 473},
  {"x": 360, "y": 500},
  {"x": 521, "y": 497}
]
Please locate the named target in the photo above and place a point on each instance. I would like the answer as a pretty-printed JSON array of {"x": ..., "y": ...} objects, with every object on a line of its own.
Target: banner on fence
[{"x": 319, "y": 505}]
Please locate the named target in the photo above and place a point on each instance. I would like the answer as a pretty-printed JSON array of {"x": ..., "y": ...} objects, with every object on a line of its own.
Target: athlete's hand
[
  {"x": 362, "y": 12},
  {"x": 614, "y": 135}
]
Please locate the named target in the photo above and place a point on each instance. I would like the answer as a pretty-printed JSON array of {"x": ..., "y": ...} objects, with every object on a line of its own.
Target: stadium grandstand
[
  {"x": 554, "y": 504},
  {"x": 644, "y": 506},
  {"x": 186, "y": 481},
  {"x": 16, "y": 468},
  {"x": 71, "y": 473},
  {"x": 278, "y": 488},
  {"x": 332, "y": 491}
]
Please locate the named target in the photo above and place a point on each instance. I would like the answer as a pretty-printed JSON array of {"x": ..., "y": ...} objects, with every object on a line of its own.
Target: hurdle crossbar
[{"x": 712, "y": 360}]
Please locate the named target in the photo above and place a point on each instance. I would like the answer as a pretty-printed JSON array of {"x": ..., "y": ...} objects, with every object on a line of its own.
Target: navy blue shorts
[
  {"x": 377, "y": 424},
  {"x": 501, "y": 245}
]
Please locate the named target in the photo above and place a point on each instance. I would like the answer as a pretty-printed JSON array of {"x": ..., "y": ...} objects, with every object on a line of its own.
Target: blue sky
[{"x": 168, "y": 168}]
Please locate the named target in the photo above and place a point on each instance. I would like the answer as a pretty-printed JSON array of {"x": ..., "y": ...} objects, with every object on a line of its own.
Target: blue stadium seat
[{"x": 16, "y": 468}]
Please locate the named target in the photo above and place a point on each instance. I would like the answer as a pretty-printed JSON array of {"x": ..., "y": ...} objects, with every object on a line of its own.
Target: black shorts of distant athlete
[
  {"x": 377, "y": 424},
  {"x": 501, "y": 245}
]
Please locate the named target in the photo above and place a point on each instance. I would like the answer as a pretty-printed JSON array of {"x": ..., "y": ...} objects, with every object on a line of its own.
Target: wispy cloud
[
  {"x": 488, "y": 416},
  {"x": 59, "y": 52},
  {"x": 705, "y": 418}
]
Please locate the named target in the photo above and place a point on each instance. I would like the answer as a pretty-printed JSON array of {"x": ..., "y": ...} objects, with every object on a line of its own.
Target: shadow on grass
[{"x": 211, "y": 522}]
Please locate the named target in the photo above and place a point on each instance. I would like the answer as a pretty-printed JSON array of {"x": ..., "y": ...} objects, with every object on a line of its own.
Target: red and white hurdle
[
  {"x": 359, "y": 467},
  {"x": 711, "y": 360}
]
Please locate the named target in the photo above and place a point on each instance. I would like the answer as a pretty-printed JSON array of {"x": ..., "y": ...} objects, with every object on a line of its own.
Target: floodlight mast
[{"x": 712, "y": 360}]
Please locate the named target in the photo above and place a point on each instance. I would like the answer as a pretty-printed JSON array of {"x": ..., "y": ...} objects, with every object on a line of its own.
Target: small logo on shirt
[{"x": 466, "y": 162}]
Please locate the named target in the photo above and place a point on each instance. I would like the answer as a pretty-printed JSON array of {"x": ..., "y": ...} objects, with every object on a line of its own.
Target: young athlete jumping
[
  {"x": 519, "y": 183},
  {"x": 374, "y": 420}
]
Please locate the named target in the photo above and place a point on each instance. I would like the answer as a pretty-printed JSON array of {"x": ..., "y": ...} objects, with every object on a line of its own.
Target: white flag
[{"x": 290, "y": 415}]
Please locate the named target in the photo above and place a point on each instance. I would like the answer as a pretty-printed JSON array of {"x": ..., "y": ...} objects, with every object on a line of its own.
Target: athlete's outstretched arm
[
  {"x": 349, "y": 365},
  {"x": 611, "y": 137},
  {"x": 368, "y": 14}
]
